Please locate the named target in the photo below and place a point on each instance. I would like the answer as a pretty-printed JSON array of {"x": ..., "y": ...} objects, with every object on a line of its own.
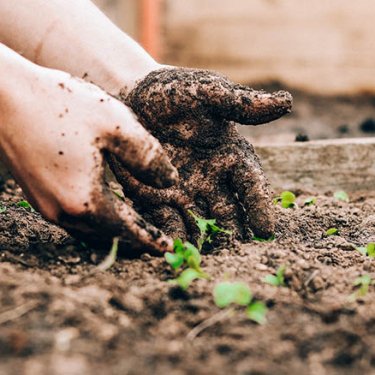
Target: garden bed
[{"x": 59, "y": 316}]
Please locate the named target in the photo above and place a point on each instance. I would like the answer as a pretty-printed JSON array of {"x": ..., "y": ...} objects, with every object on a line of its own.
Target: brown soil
[{"x": 57, "y": 317}]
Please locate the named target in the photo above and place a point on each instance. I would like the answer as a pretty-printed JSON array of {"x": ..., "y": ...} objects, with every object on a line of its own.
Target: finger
[
  {"x": 250, "y": 107},
  {"x": 228, "y": 213},
  {"x": 168, "y": 219},
  {"x": 140, "y": 153},
  {"x": 136, "y": 190},
  {"x": 107, "y": 217},
  {"x": 250, "y": 183},
  {"x": 176, "y": 93}
]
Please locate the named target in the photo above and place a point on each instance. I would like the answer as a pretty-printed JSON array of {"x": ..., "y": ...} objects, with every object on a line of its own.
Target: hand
[
  {"x": 191, "y": 112},
  {"x": 54, "y": 130}
]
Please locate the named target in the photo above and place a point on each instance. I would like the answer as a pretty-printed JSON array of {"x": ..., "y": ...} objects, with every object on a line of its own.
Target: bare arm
[
  {"x": 54, "y": 130},
  {"x": 76, "y": 37}
]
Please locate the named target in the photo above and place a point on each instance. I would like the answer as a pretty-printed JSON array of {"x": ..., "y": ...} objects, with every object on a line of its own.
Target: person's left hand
[{"x": 191, "y": 112}]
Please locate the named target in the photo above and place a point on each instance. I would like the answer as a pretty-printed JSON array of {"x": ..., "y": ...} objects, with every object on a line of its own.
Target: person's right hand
[
  {"x": 192, "y": 113},
  {"x": 54, "y": 130}
]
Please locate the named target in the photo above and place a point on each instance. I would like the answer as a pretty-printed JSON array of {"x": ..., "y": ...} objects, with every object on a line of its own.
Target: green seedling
[
  {"x": 341, "y": 196},
  {"x": 25, "y": 204},
  {"x": 2, "y": 209},
  {"x": 368, "y": 250},
  {"x": 332, "y": 232},
  {"x": 287, "y": 200},
  {"x": 257, "y": 312},
  {"x": 238, "y": 293},
  {"x": 185, "y": 253},
  {"x": 110, "y": 259},
  {"x": 187, "y": 277},
  {"x": 278, "y": 279},
  {"x": 227, "y": 293},
  {"x": 259, "y": 239},
  {"x": 310, "y": 201},
  {"x": 208, "y": 229},
  {"x": 186, "y": 257},
  {"x": 362, "y": 283}
]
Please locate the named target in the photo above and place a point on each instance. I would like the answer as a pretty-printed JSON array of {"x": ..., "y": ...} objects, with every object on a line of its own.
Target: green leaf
[
  {"x": 288, "y": 199},
  {"x": 341, "y": 196},
  {"x": 257, "y": 311},
  {"x": 259, "y": 239},
  {"x": 192, "y": 256},
  {"x": 187, "y": 277},
  {"x": 25, "y": 204},
  {"x": 2, "y": 209},
  {"x": 207, "y": 228},
  {"x": 280, "y": 274},
  {"x": 364, "y": 283},
  {"x": 175, "y": 260},
  {"x": 272, "y": 280},
  {"x": 332, "y": 232},
  {"x": 178, "y": 246},
  {"x": 278, "y": 279},
  {"x": 226, "y": 293},
  {"x": 310, "y": 201},
  {"x": 371, "y": 249}
]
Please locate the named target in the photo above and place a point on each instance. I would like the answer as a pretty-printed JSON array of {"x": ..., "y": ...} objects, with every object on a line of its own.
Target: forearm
[{"x": 74, "y": 36}]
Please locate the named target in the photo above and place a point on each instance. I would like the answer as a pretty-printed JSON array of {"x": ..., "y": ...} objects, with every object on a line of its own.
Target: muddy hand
[
  {"x": 191, "y": 112},
  {"x": 54, "y": 131}
]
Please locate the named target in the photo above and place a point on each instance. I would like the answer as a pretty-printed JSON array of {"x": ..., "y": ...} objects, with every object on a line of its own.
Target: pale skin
[{"x": 54, "y": 128}]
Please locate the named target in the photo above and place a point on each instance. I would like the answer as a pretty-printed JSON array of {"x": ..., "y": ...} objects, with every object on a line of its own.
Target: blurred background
[{"x": 323, "y": 52}]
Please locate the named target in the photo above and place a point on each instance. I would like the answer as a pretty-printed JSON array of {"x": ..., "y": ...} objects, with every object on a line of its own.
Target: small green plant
[
  {"x": 310, "y": 201},
  {"x": 186, "y": 258},
  {"x": 332, "y": 232},
  {"x": 287, "y": 200},
  {"x": 227, "y": 293},
  {"x": 260, "y": 239},
  {"x": 238, "y": 293},
  {"x": 25, "y": 204},
  {"x": 208, "y": 229},
  {"x": 184, "y": 253},
  {"x": 341, "y": 196},
  {"x": 362, "y": 284},
  {"x": 368, "y": 250},
  {"x": 110, "y": 259},
  {"x": 187, "y": 277},
  {"x": 278, "y": 279},
  {"x": 2, "y": 209},
  {"x": 257, "y": 312}
]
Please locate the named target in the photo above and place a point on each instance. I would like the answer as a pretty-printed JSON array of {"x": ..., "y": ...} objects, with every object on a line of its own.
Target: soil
[{"x": 58, "y": 316}]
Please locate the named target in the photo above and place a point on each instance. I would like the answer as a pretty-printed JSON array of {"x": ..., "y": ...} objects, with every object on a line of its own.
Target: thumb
[
  {"x": 140, "y": 153},
  {"x": 250, "y": 107}
]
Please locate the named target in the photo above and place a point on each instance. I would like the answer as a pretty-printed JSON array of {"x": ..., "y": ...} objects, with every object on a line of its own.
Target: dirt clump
[{"x": 57, "y": 316}]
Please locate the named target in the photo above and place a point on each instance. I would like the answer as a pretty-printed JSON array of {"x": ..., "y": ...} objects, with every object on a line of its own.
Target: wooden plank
[{"x": 339, "y": 164}]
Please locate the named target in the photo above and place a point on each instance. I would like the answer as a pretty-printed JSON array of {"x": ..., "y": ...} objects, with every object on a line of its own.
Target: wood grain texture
[{"x": 345, "y": 164}]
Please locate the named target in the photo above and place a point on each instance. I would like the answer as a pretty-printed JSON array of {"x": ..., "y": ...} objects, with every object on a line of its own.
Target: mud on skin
[{"x": 192, "y": 113}]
